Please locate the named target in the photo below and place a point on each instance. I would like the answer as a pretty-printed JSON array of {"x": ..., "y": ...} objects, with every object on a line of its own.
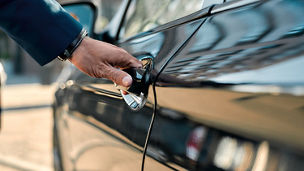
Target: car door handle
[{"x": 135, "y": 96}]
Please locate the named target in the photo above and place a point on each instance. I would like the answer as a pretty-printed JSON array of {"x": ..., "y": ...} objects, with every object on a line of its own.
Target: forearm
[
  {"x": 45, "y": 31},
  {"x": 41, "y": 27}
]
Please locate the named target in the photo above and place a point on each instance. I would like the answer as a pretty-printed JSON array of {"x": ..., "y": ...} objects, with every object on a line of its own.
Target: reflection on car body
[{"x": 228, "y": 82}]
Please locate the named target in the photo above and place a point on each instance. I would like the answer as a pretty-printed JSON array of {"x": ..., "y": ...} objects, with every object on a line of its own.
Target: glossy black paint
[
  {"x": 218, "y": 81},
  {"x": 229, "y": 86}
]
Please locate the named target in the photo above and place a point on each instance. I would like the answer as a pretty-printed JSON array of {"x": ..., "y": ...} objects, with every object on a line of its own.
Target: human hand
[{"x": 102, "y": 60}]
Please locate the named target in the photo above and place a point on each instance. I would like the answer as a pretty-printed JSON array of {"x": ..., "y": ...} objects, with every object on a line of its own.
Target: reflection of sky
[
  {"x": 84, "y": 13},
  {"x": 205, "y": 37},
  {"x": 151, "y": 43},
  {"x": 256, "y": 19},
  {"x": 291, "y": 71}
]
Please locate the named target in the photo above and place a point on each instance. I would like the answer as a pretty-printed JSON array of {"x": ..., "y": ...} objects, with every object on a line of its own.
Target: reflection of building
[
  {"x": 18, "y": 62},
  {"x": 11, "y": 52}
]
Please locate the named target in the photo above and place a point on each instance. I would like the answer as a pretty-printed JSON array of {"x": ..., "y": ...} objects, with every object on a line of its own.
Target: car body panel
[
  {"x": 229, "y": 93},
  {"x": 238, "y": 81},
  {"x": 94, "y": 121}
]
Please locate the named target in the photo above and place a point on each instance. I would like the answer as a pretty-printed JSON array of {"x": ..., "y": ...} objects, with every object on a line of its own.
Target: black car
[{"x": 222, "y": 88}]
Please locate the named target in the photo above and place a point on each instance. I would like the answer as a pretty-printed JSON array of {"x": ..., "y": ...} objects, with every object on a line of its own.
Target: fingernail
[{"x": 127, "y": 81}]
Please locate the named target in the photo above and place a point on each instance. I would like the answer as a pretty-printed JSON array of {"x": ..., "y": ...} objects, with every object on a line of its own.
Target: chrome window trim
[{"x": 232, "y": 5}]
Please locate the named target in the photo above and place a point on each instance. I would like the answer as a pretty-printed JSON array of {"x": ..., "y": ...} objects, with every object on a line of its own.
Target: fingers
[
  {"x": 101, "y": 60},
  {"x": 124, "y": 60},
  {"x": 119, "y": 77}
]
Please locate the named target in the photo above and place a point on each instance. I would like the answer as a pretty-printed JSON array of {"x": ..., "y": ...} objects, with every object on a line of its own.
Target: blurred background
[{"x": 27, "y": 91}]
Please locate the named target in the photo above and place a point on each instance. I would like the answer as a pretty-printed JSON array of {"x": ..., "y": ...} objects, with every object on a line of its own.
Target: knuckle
[{"x": 101, "y": 71}]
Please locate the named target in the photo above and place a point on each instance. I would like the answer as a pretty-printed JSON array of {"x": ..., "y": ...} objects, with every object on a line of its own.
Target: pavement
[{"x": 25, "y": 137}]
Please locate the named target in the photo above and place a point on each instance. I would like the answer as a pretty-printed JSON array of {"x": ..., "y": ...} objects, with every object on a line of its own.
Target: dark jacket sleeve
[{"x": 42, "y": 27}]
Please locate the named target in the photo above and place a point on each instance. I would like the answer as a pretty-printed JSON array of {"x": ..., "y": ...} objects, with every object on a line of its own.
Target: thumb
[{"x": 119, "y": 77}]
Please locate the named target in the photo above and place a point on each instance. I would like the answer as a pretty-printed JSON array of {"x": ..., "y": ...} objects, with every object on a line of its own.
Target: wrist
[
  {"x": 80, "y": 51},
  {"x": 68, "y": 52}
]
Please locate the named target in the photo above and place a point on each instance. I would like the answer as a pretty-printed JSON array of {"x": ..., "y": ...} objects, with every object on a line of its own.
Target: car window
[
  {"x": 147, "y": 14},
  {"x": 107, "y": 10}
]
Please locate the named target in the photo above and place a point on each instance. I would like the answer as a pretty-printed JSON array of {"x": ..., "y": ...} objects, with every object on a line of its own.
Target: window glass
[
  {"x": 147, "y": 14},
  {"x": 107, "y": 10}
]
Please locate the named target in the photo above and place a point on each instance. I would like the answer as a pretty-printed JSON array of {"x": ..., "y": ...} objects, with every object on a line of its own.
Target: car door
[
  {"x": 94, "y": 128},
  {"x": 232, "y": 98},
  {"x": 102, "y": 132},
  {"x": 158, "y": 29}
]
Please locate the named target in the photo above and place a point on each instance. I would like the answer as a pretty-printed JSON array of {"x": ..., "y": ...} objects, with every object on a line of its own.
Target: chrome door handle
[{"x": 136, "y": 94}]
